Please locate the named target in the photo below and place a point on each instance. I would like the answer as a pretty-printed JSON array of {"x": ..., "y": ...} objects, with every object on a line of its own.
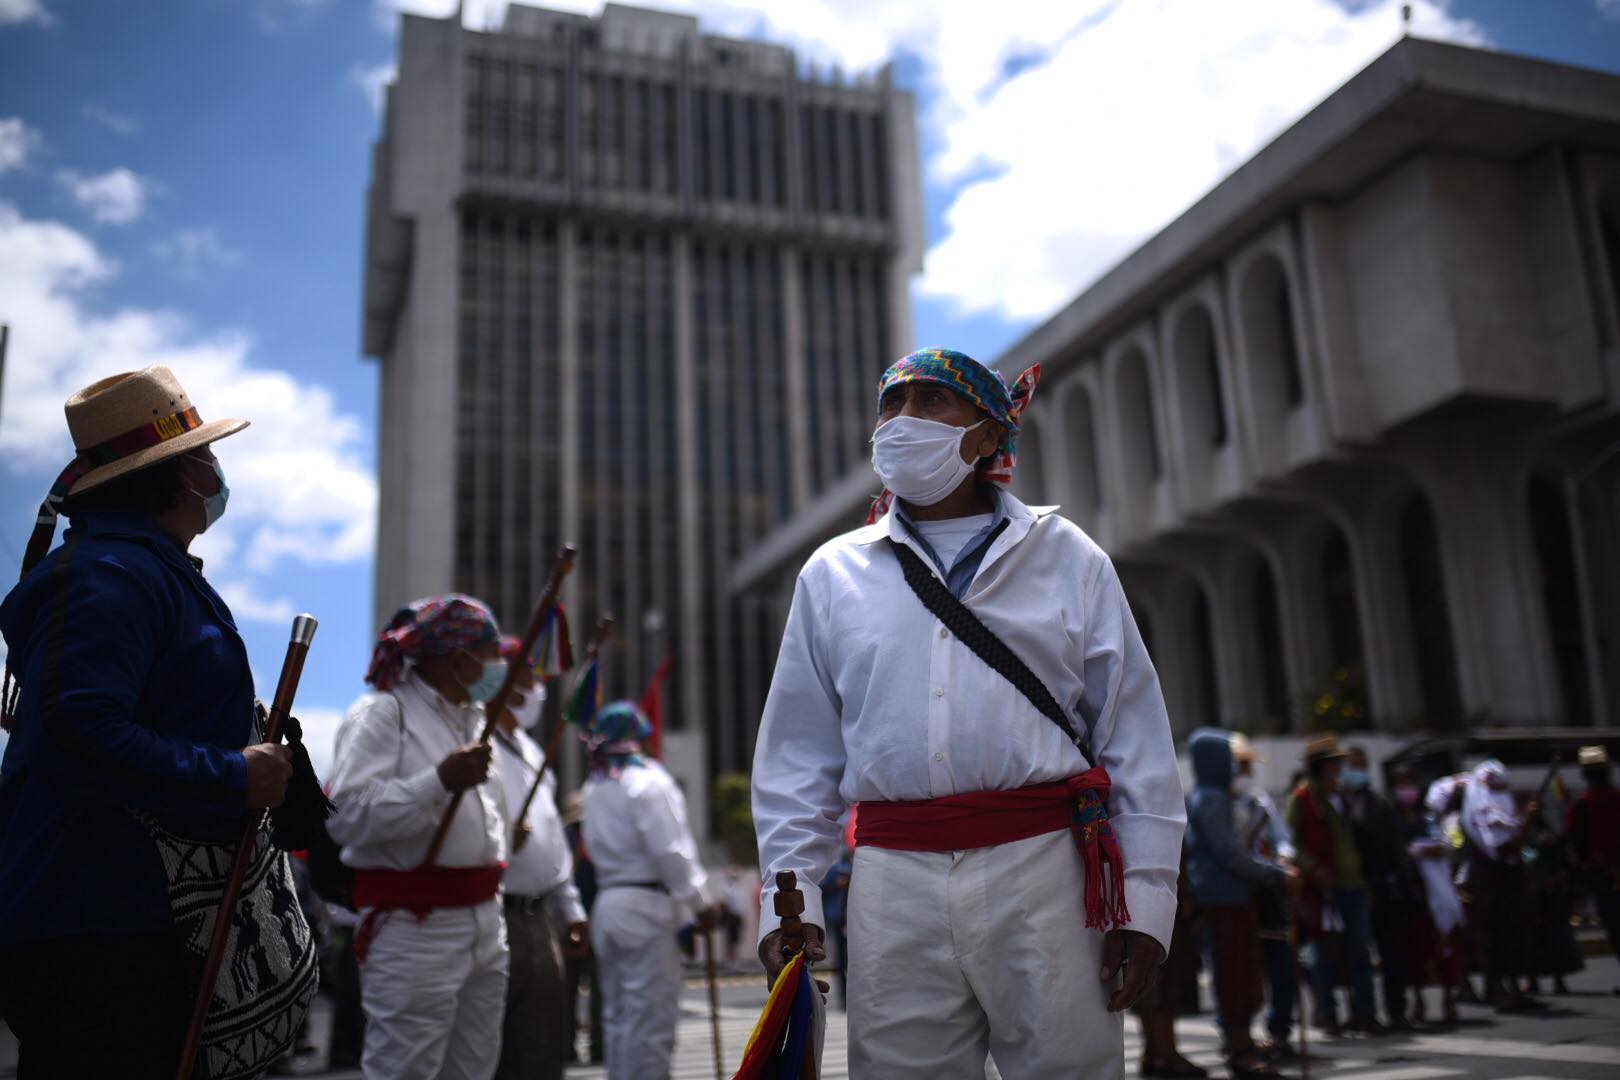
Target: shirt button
[
  {"x": 944, "y": 633},
  {"x": 939, "y": 691},
  {"x": 938, "y": 756}
]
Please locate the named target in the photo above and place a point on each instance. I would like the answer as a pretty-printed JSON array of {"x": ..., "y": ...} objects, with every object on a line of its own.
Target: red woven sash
[
  {"x": 987, "y": 818},
  {"x": 419, "y": 891}
]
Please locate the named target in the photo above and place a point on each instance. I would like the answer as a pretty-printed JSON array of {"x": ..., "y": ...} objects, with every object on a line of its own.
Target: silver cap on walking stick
[{"x": 303, "y": 629}]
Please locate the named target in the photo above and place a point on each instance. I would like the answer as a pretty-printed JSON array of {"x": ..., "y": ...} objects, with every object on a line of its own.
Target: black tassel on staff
[
  {"x": 604, "y": 630},
  {"x": 292, "y": 669},
  {"x": 560, "y": 569}
]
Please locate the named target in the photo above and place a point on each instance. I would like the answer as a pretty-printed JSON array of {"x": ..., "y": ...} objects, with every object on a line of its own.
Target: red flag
[{"x": 652, "y": 703}]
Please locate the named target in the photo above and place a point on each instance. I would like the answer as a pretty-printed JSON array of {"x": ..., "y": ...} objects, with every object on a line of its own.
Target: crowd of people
[
  {"x": 1021, "y": 866},
  {"x": 1380, "y": 896}
]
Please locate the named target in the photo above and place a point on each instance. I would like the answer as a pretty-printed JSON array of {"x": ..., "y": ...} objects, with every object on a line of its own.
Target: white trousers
[
  {"x": 434, "y": 992},
  {"x": 962, "y": 954},
  {"x": 639, "y": 969}
]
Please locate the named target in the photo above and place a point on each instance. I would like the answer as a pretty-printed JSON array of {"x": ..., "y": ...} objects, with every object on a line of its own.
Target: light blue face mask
[
  {"x": 214, "y": 505},
  {"x": 488, "y": 682},
  {"x": 1355, "y": 779}
]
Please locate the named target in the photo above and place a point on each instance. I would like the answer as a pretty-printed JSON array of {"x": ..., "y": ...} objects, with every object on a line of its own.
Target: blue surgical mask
[
  {"x": 488, "y": 682},
  {"x": 1355, "y": 779},
  {"x": 214, "y": 505}
]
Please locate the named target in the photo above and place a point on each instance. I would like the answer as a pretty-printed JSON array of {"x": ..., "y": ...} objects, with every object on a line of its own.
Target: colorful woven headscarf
[
  {"x": 432, "y": 626},
  {"x": 614, "y": 737},
  {"x": 982, "y": 386}
]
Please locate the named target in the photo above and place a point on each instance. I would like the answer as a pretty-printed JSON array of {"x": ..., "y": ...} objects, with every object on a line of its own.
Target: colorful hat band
[{"x": 135, "y": 440}]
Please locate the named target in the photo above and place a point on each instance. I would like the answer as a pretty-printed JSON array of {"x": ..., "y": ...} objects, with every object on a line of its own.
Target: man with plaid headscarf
[
  {"x": 1014, "y": 880},
  {"x": 432, "y": 940}
]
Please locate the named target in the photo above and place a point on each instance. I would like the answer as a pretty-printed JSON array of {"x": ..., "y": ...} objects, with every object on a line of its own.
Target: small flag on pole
[
  {"x": 783, "y": 1045},
  {"x": 652, "y": 703}
]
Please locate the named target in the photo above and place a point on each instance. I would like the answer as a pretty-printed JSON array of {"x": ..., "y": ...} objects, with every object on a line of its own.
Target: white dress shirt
[
  {"x": 385, "y": 782},
  {"x": 636, "y": 832},
  {"x": 543, "y": 866},
  {"x": 874, "y": 699}
]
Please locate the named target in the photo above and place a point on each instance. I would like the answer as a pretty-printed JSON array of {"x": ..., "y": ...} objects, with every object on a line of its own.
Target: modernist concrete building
[
  {"x": 627, "y": 284},
  {"x": 1350, "y": 426}
]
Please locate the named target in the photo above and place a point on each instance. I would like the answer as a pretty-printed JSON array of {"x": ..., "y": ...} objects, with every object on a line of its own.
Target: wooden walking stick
[
  {"x": 604, "y": 629},
  {"x": 1299, "y": 990},
  {"x": 714, "y": 1003},
  {"x": 560, "y": 568},
  {"x": 292, "y": 669}
]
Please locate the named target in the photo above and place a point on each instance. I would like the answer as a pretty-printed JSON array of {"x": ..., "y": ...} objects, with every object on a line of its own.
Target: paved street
[{"x": 1578, "y": 1038}]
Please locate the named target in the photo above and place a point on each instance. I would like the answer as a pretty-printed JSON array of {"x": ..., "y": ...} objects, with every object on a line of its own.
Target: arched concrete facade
[{"x": 1197, "y": 377}]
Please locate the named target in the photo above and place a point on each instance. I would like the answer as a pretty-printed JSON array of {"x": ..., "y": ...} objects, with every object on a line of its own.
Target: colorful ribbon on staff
[{"x": 782, "y": 1046}]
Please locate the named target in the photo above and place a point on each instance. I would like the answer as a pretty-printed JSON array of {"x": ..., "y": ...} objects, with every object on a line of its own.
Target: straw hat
[
  {"x": 129, "y": 421},
  {"x": 1594, "y": 755},
  {"x": 1242, "y": 750},
  {"x": 1323, "y": 748}
]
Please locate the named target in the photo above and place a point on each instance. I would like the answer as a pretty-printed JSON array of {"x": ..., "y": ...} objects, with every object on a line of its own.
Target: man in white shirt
[
  {"x": 541, "y": 900},
  {"x": 432, "y": 942},
  {"x": 648, "y": 882},
  {"x": 967, "y": 931}
]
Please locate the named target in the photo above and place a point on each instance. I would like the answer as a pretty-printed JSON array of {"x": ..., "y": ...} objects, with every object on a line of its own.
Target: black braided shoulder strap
[{"x": 959, "y": 620}]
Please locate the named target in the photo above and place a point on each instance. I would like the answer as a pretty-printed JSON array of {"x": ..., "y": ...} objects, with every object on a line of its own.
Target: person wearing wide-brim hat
[
  {"x": 1333, "y": 898},
  {"x": 1593, "y": 824},
  {"x": 130, "y": 706}
]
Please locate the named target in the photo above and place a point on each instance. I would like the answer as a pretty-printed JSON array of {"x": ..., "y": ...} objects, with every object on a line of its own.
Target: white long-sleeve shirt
[
  {"x": 874, "y": 699},
  {"x": 543, "y": 866},
  {"x": 385, "y": 782},
  {"x": 636, "y": 832}
]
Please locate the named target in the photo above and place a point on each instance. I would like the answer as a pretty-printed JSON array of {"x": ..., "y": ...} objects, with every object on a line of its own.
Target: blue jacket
[
  {"x": 136, "y": 695},
  {"x": 1220, "y": 870}
]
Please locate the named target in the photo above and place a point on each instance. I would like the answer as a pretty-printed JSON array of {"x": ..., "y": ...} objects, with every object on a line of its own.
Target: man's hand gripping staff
[
  {"x": 793, "y": 936},
  {"x": 477, "y": 759}
]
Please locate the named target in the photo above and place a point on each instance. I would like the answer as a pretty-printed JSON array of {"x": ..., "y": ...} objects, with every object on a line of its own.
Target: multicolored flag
[
  {"x": 787, "y": 1039},
  {"x": 586, "y": 698},
  {"x": 553, "y": 654}
]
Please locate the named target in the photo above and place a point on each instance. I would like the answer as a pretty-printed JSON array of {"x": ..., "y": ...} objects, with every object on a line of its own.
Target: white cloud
[
  {"x": 248, "y": 606},
  {"x": 17, "y": 142},
  {"x": 116, "y": 197},
  {"x": 121, "y": 123},
  {"x": 1609, "y": 9},
  {"x": 320, "y": 724},
  {"x": 21, "y": 11},
  {"x": 195, "y": 250},
  {"x": 1072, "y": 132},
  {"x": 302, "y": 489},
  {"x": 372, "y": 80}
]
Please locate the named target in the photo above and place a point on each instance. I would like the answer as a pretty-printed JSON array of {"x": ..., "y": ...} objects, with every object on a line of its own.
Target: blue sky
[{"x": 182, "y": 182}]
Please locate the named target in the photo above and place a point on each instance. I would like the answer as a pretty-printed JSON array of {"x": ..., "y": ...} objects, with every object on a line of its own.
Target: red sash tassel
[
  {"x": 986, "y": 818},
  {"x": 379, "y": 893}
]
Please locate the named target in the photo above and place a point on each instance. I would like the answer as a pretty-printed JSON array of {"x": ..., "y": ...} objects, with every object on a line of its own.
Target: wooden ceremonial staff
[
  {"x": 604, "y": 628},
  {"x": 292, "y": 669},
  {"x": 714, "y": 1003},
  {"x": 1299, "y": 991},
  {"x": 560, "y": 568},
  {"x": 789, "y": 904}
]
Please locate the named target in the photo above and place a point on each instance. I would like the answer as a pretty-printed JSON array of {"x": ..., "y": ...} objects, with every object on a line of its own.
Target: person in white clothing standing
[
  {"x": 966, "y": 669},
  {"x": 649, "y": 881},
  {"x": 431, "y": 942},
  {"x": 542, "y": 903}
]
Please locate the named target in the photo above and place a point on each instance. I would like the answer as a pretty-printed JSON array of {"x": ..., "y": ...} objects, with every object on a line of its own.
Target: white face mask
[
  {"x": 920, "y": 460},
  {"x": 1243, "y": 786},
  {"x": 526, "y": 705}
]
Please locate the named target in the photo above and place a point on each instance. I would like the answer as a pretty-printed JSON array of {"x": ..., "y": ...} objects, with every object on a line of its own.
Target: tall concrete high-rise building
[{"x": 628, "y": 285}]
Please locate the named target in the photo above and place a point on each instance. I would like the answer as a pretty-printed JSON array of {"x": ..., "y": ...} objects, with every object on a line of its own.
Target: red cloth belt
[
  {"x": 381, "y": 892},
  {"x": 986, "y": 818}
]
